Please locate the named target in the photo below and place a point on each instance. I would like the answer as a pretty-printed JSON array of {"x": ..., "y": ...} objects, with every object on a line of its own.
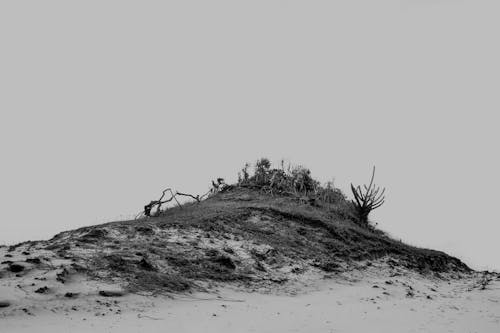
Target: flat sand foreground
[{"x": 397, "y": 304}]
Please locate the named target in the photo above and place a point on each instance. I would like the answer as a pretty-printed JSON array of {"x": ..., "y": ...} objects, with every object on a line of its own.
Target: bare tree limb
[
  {"x": 197, "y": 198},
  {"x": 218, "y": 186}
]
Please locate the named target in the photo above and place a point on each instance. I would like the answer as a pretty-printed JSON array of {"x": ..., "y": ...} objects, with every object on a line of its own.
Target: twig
[
  {"x": 197, "y": 198},
  {"x": 152, "y": 318}
]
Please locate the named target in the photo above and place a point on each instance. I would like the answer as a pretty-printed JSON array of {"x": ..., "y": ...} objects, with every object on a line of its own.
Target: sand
[
  {"x": 51, "y": 293},
  {"x": 404, "y": 303}
]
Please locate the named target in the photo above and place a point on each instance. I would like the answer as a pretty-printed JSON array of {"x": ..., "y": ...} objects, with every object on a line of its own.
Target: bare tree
[{"x": 367, "y": 198}]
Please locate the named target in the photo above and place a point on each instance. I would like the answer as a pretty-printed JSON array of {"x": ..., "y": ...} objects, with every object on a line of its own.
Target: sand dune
[
  {"x": 240, "y": 261},
  {"x": 335, "y": 307},
  {"x": 377, "y": 298}
]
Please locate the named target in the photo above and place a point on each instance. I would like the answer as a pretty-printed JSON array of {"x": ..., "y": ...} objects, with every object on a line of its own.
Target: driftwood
[
  {"x": 367, "y": 198},
  {"x": 159, "y": 202},
  {"x": 218, "y": 186},
  {"x": 197, "y": 198}
]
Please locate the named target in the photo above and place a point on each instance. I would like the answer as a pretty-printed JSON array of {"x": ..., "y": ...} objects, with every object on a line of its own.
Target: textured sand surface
[{"x": 375, "y": 304}]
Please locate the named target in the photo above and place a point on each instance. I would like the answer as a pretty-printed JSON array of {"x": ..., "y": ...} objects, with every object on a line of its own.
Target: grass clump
[
  {"x": 292, "y": 180},
  {"x": 297, "y": 181}
]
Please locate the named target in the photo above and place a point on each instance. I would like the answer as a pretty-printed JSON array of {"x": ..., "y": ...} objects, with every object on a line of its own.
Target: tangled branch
[
  {"x": 218, "y": 186},
  {"x": 159, "y": 202}
]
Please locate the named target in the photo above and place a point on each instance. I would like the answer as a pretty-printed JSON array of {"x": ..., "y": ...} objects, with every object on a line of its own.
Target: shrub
[
  {"x": 294, "y": 180},
  {"x": 367, "y": 199},
  {"x": 243, "y": 176},
  {"x": 302, "y": 180},
  {"x": 262, "y": 167}
]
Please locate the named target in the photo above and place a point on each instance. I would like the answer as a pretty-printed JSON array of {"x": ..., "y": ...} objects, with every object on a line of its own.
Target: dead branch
[
  {"x": 158, "y": 203},
  {"x": 197, "y": 198},
  {"x": 219, "y": 186}
]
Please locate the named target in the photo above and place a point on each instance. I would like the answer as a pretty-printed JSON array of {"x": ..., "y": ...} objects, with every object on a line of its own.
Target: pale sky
[{"x": 105, "y": 103}]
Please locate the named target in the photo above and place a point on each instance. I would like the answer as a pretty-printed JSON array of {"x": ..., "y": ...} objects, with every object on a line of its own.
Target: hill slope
[{"x": 241, "y": 236}]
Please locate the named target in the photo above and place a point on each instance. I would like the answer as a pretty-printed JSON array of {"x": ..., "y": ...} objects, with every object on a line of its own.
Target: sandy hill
[
  {"x": 133, "y": 276},
  {"x": 240, "y": 236}
]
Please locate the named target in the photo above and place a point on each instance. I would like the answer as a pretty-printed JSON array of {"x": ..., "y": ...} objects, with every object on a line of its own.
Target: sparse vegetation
[
  {"x": 274, "y": 224},
  {"x": 295, "y": 181},
  {"x": 245, "y": 235}
]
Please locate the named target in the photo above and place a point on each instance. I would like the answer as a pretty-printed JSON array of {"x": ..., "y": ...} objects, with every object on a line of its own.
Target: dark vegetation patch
[
  {"x": 328, "y": 265},
  {"x": 145, "y": 230},
  {"x": 224, "y": 261},
  {"x": 60, "y": 247},
  {"x": 4, "y": 304},
  {"x": 62, "y": 275},
  {"x": 16, "y": 268},
  {"x": 211, "y": 265},
  {"x": 146, "y": 265},
  {"x": 94, "y": 235},
  {"x": 111, "y": 293},
  {"x": 159, "y": 282},
  {"x": 71, "y": 295},
  {"x": 116, "y": 263},
  {"x": 176, "y": 260},
  {"x": 139, "y": 275},
  {"x": 35, "y": 261},
  {"x": 42, "y": 290},
  {"x": 12, "y": 248}
]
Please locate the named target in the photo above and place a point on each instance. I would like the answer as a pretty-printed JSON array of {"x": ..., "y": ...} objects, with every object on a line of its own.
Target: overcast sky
[{"x": 105, "y": 103}]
